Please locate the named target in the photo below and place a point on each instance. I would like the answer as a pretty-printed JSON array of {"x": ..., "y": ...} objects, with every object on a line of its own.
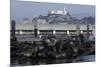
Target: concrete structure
[
  {"x": 78, "y": 29},
  {"x": 22, "y": 28}
]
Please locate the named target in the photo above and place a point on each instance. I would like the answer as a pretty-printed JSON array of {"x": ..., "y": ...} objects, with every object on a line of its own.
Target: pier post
[
  {"x": 35, "y": 32},
  {"x": 77, "y": 29},
  {"x": 87, "y": 31},
  {"x": 35, "y": 28},
  {"x": 13, "y": 37}
]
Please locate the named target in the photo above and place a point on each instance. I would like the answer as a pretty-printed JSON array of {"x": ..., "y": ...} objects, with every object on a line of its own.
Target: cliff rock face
[
  {"x": 90, "y": 20},
  {"x": 62, "y": 17}
]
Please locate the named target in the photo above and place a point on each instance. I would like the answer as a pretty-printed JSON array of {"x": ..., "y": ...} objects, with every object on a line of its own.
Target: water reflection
[{"x": 42, "y": 61}]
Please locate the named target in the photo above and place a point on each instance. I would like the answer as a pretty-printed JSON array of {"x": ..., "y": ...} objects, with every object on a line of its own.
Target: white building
[{"x": 63, "y": 12}]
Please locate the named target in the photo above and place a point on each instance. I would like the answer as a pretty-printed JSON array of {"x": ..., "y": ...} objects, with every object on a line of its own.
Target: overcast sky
[{"x": 21, "y": 9}]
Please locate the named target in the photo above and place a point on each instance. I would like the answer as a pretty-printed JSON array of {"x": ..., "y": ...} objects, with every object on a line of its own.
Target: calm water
[{"x": 89, "y": 58}]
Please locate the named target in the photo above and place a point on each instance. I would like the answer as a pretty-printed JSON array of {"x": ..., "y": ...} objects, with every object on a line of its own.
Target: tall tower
[{"x": 64, "y": 10}]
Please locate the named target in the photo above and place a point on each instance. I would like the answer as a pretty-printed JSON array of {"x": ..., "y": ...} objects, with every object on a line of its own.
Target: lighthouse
[{"x": 64, "y": 11}]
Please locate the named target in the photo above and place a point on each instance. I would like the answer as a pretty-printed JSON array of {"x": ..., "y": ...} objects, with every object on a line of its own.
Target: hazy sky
[{"x": 21, "y": 9}]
